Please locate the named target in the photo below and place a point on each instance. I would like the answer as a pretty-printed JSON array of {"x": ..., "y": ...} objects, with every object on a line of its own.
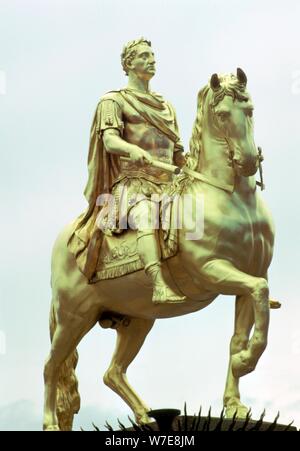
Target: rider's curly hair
[{"x": 129, "y": 51}]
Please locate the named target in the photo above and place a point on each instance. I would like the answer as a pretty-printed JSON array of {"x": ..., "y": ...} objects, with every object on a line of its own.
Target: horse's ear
[
  {"x": 215, "y": 82},
  {"x": 241, "y": 76}
]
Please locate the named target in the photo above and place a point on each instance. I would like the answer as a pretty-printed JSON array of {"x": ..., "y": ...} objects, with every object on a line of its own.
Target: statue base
[
  {"x": 168, "y": 421},
  {"x": 210, "y": 424}
]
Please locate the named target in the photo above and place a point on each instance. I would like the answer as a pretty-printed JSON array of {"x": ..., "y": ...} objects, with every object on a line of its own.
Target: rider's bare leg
[{"x": 149, "y": 251}]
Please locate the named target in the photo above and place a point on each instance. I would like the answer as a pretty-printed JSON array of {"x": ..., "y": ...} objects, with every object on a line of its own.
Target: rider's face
[{"x": 143, "y": 64}]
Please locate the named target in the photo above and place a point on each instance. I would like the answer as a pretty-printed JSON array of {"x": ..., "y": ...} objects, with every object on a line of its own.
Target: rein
[
  {"x": 202, "y": 178},
  {"x": 217, "y": 184}
]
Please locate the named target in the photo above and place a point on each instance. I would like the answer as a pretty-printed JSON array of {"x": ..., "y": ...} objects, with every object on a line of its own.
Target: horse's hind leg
[
  {"x": 67, "y": 332},
  {"x": 222, "y": 277},
  {"x": 130, "y": 338},
  {"x": 244, "y": 320}
]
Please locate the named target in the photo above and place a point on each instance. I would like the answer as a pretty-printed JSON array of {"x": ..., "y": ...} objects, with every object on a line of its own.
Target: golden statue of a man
[{"x": 139, "y": 124}]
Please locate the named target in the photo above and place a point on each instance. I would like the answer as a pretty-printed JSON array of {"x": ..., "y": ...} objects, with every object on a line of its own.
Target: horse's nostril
[{"x": 245, "y": 167}]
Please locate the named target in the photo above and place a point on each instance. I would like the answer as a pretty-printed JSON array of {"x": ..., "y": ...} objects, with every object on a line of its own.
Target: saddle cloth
[{"x": 118, "y": 254}]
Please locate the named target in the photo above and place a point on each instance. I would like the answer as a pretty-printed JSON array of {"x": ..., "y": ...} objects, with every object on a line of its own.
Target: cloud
[
  {"x": 25, "y": 415},
  {"x": 20, "y": 416}
]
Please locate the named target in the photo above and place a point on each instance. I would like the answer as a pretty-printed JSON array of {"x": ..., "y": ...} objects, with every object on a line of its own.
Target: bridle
[{"x": 231, "y": 152}]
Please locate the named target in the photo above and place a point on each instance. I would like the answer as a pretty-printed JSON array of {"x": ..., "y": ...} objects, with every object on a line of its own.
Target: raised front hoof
[
  {"x": 237, "y": 410},
  {"x": 51, "y": 428},
  {"x": 241, "y": 364}
]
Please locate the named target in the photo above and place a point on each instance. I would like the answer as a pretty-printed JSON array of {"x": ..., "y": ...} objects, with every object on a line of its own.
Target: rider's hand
[{"x": 139, "y": 155}]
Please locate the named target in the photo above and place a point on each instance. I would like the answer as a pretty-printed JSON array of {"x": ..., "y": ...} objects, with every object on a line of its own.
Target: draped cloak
[{"x": 104, "y": 169}]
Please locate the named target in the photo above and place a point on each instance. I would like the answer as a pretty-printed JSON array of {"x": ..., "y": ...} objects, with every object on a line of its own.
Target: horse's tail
[{"x": 67, "y": 398}]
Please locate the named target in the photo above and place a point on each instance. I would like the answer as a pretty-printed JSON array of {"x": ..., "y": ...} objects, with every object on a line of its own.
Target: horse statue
[{"x": 231, "y": 258}]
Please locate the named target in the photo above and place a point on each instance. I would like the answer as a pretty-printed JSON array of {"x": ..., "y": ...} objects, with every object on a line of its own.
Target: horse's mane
[
  {"x": 230, "y": 86},
  {"x": 196, "y": 138}
]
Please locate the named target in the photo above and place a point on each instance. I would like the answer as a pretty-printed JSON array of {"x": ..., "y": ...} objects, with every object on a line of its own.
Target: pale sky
[{"x": 56, "y": 59}]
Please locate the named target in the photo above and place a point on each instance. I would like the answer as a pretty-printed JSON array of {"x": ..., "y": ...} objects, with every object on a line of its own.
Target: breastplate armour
[{"x": 160, "y": 148}]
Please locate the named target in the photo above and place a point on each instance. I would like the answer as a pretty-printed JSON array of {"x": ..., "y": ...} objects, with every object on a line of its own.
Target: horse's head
[{"x": 232, "y": 117}]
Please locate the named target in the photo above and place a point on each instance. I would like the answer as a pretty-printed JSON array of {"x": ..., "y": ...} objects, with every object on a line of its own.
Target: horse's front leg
[
  {"x": 130, "y": 338},
  {"x": 220, "y": 276},
  {"x": 244, "y": 320}
]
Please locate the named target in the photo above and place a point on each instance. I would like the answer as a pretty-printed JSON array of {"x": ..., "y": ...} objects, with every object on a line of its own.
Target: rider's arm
[
  {"x": 113, "y": 143},
  {"x": 110, "y": 128}
]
